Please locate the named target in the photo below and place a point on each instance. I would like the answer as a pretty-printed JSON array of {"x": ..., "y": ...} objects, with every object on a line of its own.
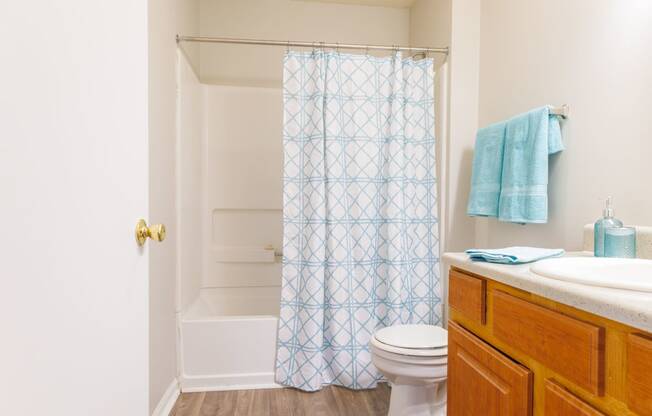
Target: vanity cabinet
[{"x": 515, "y": 353}]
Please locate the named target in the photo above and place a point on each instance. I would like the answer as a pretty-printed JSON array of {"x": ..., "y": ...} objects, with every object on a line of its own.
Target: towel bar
[{"x": 560, "y": 111}]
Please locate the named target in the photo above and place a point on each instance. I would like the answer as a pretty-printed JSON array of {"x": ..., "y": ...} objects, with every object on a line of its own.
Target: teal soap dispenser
[{"x": 607, "y": 221}]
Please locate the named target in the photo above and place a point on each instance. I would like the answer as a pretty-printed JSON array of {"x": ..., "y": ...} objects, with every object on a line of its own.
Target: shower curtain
[{"x": 361, "y": 247}]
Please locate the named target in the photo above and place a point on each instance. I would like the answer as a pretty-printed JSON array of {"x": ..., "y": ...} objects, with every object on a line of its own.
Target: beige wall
[
  {"x": 595, "y": 56},
  {"x": 464, "y": 62},
  {"x": 166, "y": 18},
  {"x": 286, "y": 19},
  {"x": 430, "y": 25},
  {"x": 189, "y": 184}
]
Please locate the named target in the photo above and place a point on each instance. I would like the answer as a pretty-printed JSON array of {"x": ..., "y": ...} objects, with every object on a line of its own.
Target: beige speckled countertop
[{"x": 624, "y": 306}]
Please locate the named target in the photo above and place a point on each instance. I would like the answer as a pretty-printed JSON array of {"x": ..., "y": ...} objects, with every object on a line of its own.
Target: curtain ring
[
  {"x": 287, "y": 49},
  {"x": 366, "y": 50},
  {"x": 337, "y": 47}
]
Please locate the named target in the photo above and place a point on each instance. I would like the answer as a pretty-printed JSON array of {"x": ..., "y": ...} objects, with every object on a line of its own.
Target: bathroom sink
[{"x": 629, "y": 274}]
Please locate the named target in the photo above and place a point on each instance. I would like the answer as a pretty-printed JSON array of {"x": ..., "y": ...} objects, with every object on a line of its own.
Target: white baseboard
[
  {"x": 165, "y": 405},
  {"x": 226, "y": 382}
]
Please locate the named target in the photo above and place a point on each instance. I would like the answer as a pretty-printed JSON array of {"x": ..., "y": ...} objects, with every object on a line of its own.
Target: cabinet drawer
[
  {"x": 572, "y": 348},
  {"x": 639, "y": 374},
  {"x": 559, "y": 401},
  {"x": 467, "y": 295},
  {"x": 482, "y": 381}
]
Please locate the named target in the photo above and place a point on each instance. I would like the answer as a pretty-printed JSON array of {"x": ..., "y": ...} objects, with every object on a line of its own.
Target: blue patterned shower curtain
[{"x": 361, "y": 242}]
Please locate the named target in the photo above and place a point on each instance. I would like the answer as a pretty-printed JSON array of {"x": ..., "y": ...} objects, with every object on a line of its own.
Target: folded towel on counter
[
  {"x": 529, "y": 139},
  {"x": 513, "y": 255},
  {"x": 487, "y": 171}
]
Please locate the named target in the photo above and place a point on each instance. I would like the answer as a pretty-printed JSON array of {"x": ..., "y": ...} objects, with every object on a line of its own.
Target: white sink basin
[{"x": 629, "y": 274}]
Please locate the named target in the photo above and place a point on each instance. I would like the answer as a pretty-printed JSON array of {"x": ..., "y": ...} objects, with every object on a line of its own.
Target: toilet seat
[{"x": 415, "y": 340}]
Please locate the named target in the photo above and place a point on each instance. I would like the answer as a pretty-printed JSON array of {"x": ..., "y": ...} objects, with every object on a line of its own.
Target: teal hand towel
[
  {"x": 513, "y": 255},
  {"x": 487, "y": 171},
  {"x": 529, "y": 140}
]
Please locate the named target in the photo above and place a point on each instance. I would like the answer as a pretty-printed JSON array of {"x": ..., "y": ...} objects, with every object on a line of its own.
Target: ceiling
[{"x": 381, "y": 3}]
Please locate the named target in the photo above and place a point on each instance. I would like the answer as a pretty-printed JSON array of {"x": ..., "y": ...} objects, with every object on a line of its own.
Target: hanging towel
[
  {"x": 529, "y": 139},
  {"x": 487, "y": 171},
  {"x": 513, "y": 255}
]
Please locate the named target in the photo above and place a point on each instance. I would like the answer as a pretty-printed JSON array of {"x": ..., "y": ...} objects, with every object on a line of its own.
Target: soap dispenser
[{"x": 607, "y": 221}]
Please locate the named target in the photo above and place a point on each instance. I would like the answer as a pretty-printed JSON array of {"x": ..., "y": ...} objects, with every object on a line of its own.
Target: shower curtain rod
[{"x": 290, "y": 43}]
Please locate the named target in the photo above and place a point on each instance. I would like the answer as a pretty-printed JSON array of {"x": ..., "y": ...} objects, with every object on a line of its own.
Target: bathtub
[{"x": 228, "y": 339}]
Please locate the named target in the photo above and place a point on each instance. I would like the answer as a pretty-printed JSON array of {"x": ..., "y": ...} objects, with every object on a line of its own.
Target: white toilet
[{"x": 414, "y": 359}]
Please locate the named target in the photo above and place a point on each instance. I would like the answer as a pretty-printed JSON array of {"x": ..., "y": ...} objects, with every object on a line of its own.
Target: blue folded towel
[
  {"x": 513, "y": 255},
  {"x": 529, "y": 139},
  {"x": 487, "y": 171}
]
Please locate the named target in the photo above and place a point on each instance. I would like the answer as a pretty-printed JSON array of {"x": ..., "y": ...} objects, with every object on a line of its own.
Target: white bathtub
[{"x": 228, "y": 339}]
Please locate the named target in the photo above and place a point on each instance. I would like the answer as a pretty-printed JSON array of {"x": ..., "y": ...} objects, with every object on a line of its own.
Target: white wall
[
  {"x": 463, "y": 120},
  {"x": 242, "y": 183},
  {"x": 166, "y": 19},
  {"x": 286, "y": 19},
  {"x": 595, "y": 56},
  {"x": 189, "y": 183},
  {"x": 430, "y": 25}
]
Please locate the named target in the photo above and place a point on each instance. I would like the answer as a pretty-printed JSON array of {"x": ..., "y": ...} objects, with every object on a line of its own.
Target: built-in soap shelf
[
  {"x": 246, "y": 237},
  {"x": 245, "y": 254}
]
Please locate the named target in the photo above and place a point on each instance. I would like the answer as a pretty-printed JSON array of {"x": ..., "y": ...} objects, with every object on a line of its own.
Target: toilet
[{"x": 414, "y": 360}]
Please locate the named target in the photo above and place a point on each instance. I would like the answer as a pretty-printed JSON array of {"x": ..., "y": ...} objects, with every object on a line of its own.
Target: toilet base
[{"x": 418, "y": 400}]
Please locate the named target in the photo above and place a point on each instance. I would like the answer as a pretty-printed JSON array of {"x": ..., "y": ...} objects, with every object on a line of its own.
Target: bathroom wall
[
  {"x": 189, "y": 130},
  {"x": 594, "y": 56},
  {"x": 242, "y": 178},
  {"x": 283, "y": 20},
  {"x": 165, "y": 19},
  {"x": 463, "y": 88},
  {"x": 430, "y": 25}
]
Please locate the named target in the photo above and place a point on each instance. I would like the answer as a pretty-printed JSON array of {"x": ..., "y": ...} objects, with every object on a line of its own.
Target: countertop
[{"x": 624, "y": 306}]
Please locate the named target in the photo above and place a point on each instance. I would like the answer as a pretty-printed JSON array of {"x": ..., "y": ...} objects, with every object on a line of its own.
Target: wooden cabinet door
[
  {"x": 561, "y": 402},
  {"x": 483, "y": 381},
  {"x": 639, "y": 373}
]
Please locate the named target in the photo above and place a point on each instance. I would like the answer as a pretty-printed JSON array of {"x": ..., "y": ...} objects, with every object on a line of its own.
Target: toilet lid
[{"x": 413, "y": 336}]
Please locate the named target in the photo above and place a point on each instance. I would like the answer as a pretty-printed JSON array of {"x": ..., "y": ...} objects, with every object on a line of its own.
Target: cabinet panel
[
  {"x": 572, "y": 348},
  {"x": 639, "y": 374},
  {"x": 561, "y": 402},
  {"x": 467, "y": 295},
  {"x": 482, "y": 381}
]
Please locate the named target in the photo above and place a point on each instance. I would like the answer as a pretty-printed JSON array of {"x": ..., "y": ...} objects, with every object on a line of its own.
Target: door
[
  {"x": 482, "y": 381},
  {"x": 73, "y": 182}
]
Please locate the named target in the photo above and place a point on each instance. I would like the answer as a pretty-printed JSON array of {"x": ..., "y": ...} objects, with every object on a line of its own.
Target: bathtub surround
[{"x": 361, "y": 247}]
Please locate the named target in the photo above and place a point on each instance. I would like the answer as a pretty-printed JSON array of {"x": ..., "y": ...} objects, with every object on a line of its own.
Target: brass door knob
[{"x": 156, "y": 232}]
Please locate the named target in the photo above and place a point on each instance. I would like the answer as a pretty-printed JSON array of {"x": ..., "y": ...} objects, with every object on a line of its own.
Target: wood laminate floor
[{"x": 330, "y": 401}]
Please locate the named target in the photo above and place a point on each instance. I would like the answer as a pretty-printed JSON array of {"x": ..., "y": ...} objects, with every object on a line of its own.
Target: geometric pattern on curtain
[{"x": 360, "y": 214}]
